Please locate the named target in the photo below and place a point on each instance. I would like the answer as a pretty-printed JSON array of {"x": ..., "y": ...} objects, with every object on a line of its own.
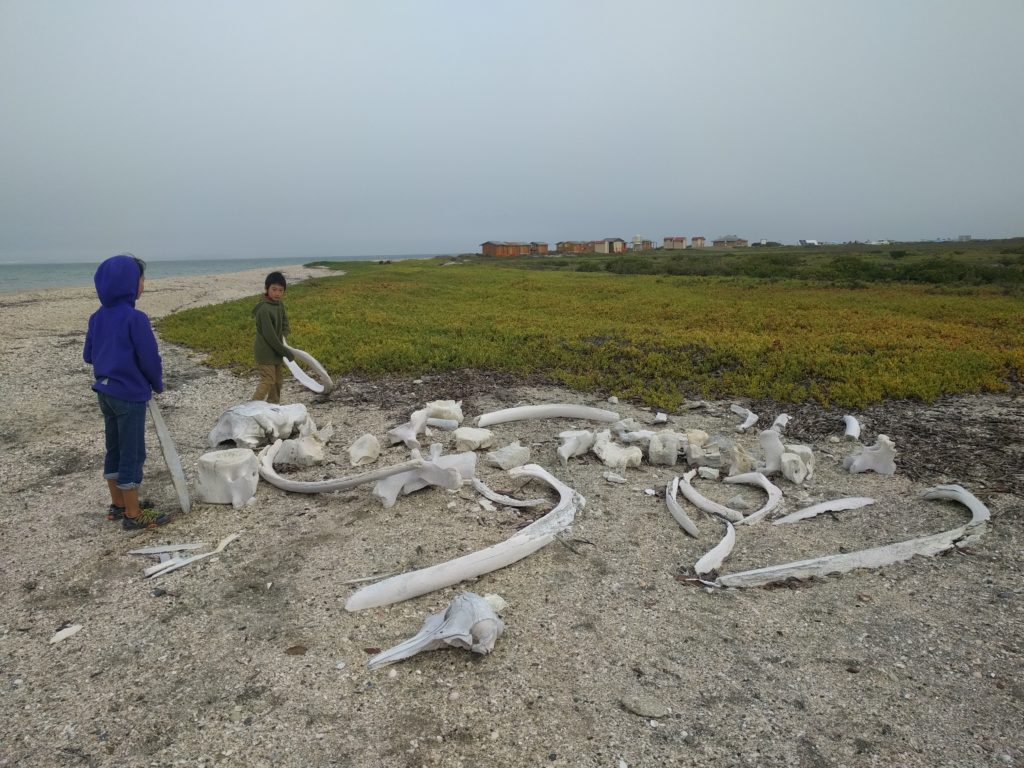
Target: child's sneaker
[
  {"x": 148, "y": 518},
  {"x": 115, "y": 512}
]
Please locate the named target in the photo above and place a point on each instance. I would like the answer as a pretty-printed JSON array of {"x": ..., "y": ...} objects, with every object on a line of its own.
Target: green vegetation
[{"x": 656, "y": 338}]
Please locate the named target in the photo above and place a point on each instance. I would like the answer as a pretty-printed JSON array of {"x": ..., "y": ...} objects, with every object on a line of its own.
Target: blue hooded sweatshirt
[{"x": 120, "y": 343}]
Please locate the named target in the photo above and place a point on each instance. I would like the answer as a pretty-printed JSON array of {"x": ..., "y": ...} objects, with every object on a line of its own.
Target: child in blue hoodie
[{"x": 122, "y": 349}]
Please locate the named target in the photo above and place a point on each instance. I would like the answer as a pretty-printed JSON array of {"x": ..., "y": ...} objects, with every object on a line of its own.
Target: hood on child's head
[{"x": 117, "y": 280}]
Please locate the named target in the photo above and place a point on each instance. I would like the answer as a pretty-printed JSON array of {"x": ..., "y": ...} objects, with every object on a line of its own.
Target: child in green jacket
[{"x": 268, "y": 348}]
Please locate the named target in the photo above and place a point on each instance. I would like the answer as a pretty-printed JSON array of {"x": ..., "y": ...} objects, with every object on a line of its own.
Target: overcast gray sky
[{"x": 326, "y": 128}]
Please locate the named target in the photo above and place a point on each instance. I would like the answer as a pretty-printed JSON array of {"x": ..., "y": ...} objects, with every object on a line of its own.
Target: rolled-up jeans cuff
[
  {"x": 110, "y": 475},
  {"x": 126, "y": 486}
]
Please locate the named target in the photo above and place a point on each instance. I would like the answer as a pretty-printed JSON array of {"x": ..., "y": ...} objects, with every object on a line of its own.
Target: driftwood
[{"x": 876, "y": 557}]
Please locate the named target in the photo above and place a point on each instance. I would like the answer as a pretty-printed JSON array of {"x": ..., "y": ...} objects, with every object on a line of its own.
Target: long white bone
[
  {"x": 876, "y": 557},
  {"x": 268, "y": 473},
  {"x": 180, "y": 562},
  {"x": 508, "y": 501},
  {"x": 702, "y": 502},
  {"x": 835, "y": 505},
  {"x": 852, "y": 428},
  {"x": 713, "y": 560},
  {"x": 468, "y": 622},
  {"x": 552, "y": 411},
  {"x": 314, "y": 364},
  {"x": 525, "y": 542},
  {"x": 676, "y": 509},
  {"x": 749, "y": 417},
  {"x": 774, "y": 494}
]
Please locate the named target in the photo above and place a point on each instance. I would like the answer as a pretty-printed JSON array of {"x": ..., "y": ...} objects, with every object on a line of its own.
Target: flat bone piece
[
  {"x": 702, "y": 502},
  {"x": 852, "y": 428},
  {"x": 749, "y": 417},
  {"x": 365, "y": 450},
  {"x": 835, "y": 505},
  {"x": 676, "y": 510},
  {"x": 575, "y": 442},
  {"x": 774, "y": 494},
  {"x": 713, "y": 560},
  {"x": 508, "y": 501},
  {"x": 161, "y": 549},
  {"x": 180, "y": 562},
  {"x": 551, "y": 411},
  {"x": 65, "y": 633},
  {"x": 527, "y": 541},
  {"x": 268, "y": 473},
  {"x": 876, "y": 557},
  {"x": 468, "y": 622},
  {"x": 880, "y": 458}
]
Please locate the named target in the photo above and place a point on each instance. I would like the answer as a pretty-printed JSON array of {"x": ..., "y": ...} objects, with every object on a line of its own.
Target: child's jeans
[{"x": 125, "y": 429}]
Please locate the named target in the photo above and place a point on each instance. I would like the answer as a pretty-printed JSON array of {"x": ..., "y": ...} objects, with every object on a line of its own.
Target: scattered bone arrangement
[{"x": 287, "y": 435}]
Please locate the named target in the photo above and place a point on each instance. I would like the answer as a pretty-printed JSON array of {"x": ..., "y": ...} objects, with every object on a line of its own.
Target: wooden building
[
  {"x": 674, "y": 243},
  {"x": 610, "y": 245},
  {"x": 729, "y": 241},
  {"x": 573, "y": 246},
  {"x": 513, "y": 248},
  {"x": 697, "y": 242}
]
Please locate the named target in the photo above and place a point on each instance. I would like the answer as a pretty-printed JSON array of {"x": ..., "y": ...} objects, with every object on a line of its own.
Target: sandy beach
[{"x": 611, "y": 656}]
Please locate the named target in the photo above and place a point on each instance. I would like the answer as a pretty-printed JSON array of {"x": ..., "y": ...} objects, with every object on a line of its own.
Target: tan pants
[{"x": 271, "y": 381}]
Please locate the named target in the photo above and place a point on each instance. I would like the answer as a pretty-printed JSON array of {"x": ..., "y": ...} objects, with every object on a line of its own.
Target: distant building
[
  {"x": 809, "y": 242},
  {"x": 538, "y": 249},
  {"x": 573, "y": 246},
  {"x": 697, "y": 242},
  {"x": 505, "y": 248},
  {"x": 642, "y": 244},
  {"x": 675, "y": 243},
  {"x": 729, "y": 241},
  {"x": 610, "y": 245}
]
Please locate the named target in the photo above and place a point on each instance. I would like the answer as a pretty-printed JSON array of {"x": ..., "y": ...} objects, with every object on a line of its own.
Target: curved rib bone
[
  {"x": 268, "y": 473},
  {"x": 713, "y": 560},
  {"x": 526, "y": 542},
  {"x": 702, "y": 502},
  {"x": 878, "y": 556},
  {"x": 553, "y": 411},
  {"x": 508, "y": 501},
  {"x": 676, "y": 509},
  {"x": 314, "y": 364},
  {"x": 835, "y": 505},
  {"x": 774, "y": 494}
]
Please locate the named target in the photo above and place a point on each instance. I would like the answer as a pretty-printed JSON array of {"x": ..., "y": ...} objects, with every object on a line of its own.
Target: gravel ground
[{"x": 610, "y": 656}]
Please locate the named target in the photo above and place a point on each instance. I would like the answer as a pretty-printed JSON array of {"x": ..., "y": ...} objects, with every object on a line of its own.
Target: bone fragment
[
  {"x": 449, "y": 410},
  {"x": 472, "y": 438},
  {"x": 676, "y": 510},
  {"x": 507, "y": 501},
  {"x": 468, "y": 622},
  {"x": 611, "y": 477},
  {"x": 702, "y": 502},
  {"x": 257, "y": 422},
  {"x": 512, "y": 455},
  {"x": 180, "y": 562},
  {"x": 365, "y": 450},
  {"x": 448, "y": 425},
  {"x": 663, "y": 449},
  {"x": 442, "y": 471},
  {"x": 161, "y": 549},
  {"x": 660, "y": 418},
  {"x": 575, "y": 442},
  {"x": 880, "y": 458},
  {"x": 305, "y": 451},
  {"x": 771, "y": 444},
  {"x": 552, "y": 411},
  {"x": 740, "y": 461},
  {"x": 525, "y": 542},
  {"x": 835, "y": 505},
  {"x": 781, "y": 422},
  {"x": 407, "y": 433},
  {"x": 325, "y": 385},
  {"x": 713, "y": 560},
  {"x": 749, "y": 417},
  {"x": 65, "y": 633},
  {"x": 797, "y": 463},
  {"x": 614, "y": 455},
  {"x": 708, "y": 473},
  {"x": 876, "y": 557},
  {"x": 227, "y": 477},
  {"x": 773, "y": 491},
  {"x": 852, "y": 428},
  {"x": 267, "y": 472}
]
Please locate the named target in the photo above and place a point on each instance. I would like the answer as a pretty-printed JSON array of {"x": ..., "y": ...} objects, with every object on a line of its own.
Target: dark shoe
[
  {"x": 148, "y": 518},
  {"x": 116, "y": 513}
]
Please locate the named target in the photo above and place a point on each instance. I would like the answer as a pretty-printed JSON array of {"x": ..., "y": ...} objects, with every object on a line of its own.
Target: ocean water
[{"x": 30, "y": 277}]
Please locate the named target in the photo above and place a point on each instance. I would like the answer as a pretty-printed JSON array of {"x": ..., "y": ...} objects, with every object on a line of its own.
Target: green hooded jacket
[{"x": 271, "y": 328}]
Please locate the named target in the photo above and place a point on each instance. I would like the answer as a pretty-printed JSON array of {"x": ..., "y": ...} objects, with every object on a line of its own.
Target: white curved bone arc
[
  {"x": 852, "y": 427},
  {"x": 774, "y": 494},
  {"x": 749, "y": 417},
  {"x": 676, "y": 510},
  {"x": 326, "y": 382},
  {"x": 835, "y": 505},
  {"x": 551, "y": 411},
  {"x": 527, "y": 541},
  {"x": 876, "y": 557},
  {"x": 268, "y": 473},
  {"x": 702, "y": 502},
  {"x": 713, "y": 560},
  {"x": 482, "y": 488}
]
